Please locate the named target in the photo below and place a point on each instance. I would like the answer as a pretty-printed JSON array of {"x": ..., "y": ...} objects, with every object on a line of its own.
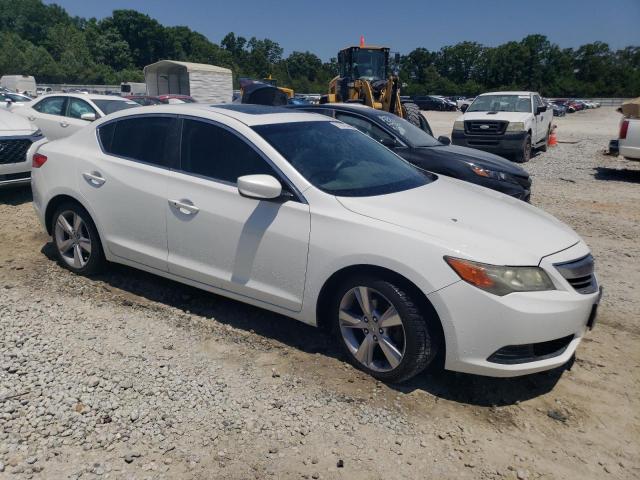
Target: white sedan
[
  {"x": 304, "y": 215},
  {"x": 61, "y": 114}
]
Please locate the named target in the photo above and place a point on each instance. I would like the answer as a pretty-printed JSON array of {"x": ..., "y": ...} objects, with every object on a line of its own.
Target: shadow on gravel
[
  {"x": 15, "y": 195},
  {"x": 462, "y": 388},
  {"x": 617, "y": 174}
]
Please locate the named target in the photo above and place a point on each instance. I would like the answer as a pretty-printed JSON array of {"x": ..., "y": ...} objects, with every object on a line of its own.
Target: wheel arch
[{"x": 329, "y": 287}]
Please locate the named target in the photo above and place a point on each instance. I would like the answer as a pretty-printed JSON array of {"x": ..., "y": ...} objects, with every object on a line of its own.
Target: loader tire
[{"x": 411, "y": 113}]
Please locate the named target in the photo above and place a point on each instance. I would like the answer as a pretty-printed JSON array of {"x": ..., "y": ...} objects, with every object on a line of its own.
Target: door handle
[
  {"x": 64, "y": 124},
  {"x": 94, "y": 178},
  {"x": 31, "y": 119},
  {"x": 184, "y": 207}
]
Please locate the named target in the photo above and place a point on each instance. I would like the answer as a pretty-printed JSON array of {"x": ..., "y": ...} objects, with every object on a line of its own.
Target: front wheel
[
  {"x": 381, "y": 329},
  {"x": 411, "y": 113},
  {"x": 524, "y": 155}
]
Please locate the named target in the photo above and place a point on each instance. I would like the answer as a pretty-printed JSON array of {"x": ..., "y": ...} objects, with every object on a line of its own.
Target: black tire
[
  {"x": 411, "y": 113},
  {"x": 419, "y": 344},
  {"x": 90, "y": 263},
  {"x": 524, "y": 155},
  {"x": 545, "y": 145}
]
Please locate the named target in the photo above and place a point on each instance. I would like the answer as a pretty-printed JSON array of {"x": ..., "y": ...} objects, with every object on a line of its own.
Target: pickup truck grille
[
  {"x": 13, "y": 150},
  {"x": 485, "y": 127},
  {"x": 579, "y": 274}
]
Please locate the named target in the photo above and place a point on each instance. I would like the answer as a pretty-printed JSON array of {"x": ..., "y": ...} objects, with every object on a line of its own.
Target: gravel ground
[{"x": 131, "y": 376}]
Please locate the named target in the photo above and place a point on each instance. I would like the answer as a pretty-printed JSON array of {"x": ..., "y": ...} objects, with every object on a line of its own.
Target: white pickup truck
[
  {"x": 629, "y": 138},
  {"x": 506, "y": 123}
]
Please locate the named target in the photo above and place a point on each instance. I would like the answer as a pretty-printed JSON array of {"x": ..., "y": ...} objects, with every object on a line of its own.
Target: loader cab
[{"x": 365, "y": 63}]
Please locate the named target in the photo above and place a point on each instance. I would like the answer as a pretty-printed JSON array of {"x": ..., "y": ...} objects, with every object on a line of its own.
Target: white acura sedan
[{"x": 306, "y": 216}]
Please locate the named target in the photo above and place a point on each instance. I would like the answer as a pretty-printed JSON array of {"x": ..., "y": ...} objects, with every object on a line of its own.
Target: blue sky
[{"x": 323, "y": 27}]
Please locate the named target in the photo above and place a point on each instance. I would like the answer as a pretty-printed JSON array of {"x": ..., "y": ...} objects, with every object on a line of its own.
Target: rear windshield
[
  {"x": 340, "y": 160},
  {"x": 414, "y": 136},
  {"x": 110, "y": 106}
]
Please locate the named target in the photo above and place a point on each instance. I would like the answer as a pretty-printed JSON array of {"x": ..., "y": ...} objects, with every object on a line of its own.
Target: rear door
[
  {"x": 48, "y": 115},
  {"x": 254, "y": 248},
  {"x": 126, "y": 185}
]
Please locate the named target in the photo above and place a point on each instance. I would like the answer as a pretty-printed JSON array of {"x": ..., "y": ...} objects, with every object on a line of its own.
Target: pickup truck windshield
[
  {"x": 501, "y": 103},
  {"x": 340, "y": 160}
]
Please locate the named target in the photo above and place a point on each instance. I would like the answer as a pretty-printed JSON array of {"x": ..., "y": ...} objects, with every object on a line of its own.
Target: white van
[{"x": 19, "y": 83}]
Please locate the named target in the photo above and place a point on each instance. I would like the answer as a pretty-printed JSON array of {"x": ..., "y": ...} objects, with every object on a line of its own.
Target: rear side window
[
  {"x": 213, "y": 152},
  {"x": 148, "y": 139},
  {"x": 51, "y": 105}
]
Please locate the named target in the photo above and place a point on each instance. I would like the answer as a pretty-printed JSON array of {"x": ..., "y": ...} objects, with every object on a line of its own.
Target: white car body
[
  {"x": 509, "y": 140},
  {"x": 629, "y": 146},
  {"x": 63, "y": 123},
  {"x": 16, "y": 137},
  {"x": 279, "y": 256}
]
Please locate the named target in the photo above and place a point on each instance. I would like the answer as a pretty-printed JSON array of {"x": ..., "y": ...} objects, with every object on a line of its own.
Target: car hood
[
  {"x": 470, "y": 221},
  {"x": 477, "y": 157},
  {"x": 509, "y": 116},
  {"x": 12, "y": 124}
]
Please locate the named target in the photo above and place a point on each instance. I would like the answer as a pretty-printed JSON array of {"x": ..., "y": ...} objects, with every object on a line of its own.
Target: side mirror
[
  {"x": 89, "y": 117},
  {"x": 540, "y": 109},
  {"x": 444, "y": 140},
  {"x": 261, "y": 187},
  {"x": 388, "y": 142},
  {"x": 463, "y": 107}
]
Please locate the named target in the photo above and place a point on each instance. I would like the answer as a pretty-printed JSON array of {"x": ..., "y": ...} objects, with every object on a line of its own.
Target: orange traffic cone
[{"x": 553, "y": 138}]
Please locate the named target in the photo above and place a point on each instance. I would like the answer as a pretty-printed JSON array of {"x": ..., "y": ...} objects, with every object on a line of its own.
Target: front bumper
[
  {"x": 478, "y": 325},
  {"x": 506, "y": 143},
  {"x": 14, "y": 167}
]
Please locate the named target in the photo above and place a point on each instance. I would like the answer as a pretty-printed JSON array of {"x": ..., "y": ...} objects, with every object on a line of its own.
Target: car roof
[
  {"x": 507, "y": 93},
  {"x": 90, "y": 96},
  {"x": 250, "y": 115}
]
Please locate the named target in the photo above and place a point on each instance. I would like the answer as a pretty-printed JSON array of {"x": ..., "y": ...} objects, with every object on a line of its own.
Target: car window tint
[
  {"x": 105, "y": 133},
  {"x": 51, "y": 106},
  {"x": 365, "y": 126},
  {"x": 147, "y": 139},
  {"x": 216, "y": 153},
  {"x": 79, "y": 107}
]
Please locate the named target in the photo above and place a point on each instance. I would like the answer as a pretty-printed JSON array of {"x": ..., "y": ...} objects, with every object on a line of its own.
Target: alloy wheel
[
  {"x": 372, "y": 329},
  {"x": 72, "y": 239}
]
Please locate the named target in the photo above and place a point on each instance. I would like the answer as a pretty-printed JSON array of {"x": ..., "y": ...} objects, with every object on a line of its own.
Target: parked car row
[
  {"x": 434, "y": 102},
  {"x": 313, "y": 217},
  {"x": 572, "y": 105}
]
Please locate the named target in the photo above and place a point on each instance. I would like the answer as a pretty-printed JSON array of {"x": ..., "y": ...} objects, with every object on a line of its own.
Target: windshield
[
  {"x": 501, "y": 103},
  {"x": 369, "y": 64},
  {"x": 340, "y": 160},
  {"x": 110, "y": 106},
  {"x": 408, "y": 132}
]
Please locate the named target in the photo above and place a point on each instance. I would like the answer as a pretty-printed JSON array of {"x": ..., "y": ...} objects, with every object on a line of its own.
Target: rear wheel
[
  {"x": 411, "y": 113},
  {"x": 381, "y": 329},
  {"x": 76, "y": 239},
  {"x": 524, "y": 155}
]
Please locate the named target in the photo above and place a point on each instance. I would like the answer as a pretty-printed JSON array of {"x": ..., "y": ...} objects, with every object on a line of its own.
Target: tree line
[{"x": 46, "y": 42}]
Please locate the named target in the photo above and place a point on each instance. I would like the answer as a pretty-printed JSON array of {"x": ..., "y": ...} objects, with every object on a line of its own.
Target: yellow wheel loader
[{"x": 365, "y": 77}]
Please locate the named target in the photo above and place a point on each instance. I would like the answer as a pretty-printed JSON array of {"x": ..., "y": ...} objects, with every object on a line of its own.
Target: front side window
[
  {"x": 78, "y": 107},
  {"x": 501, "y": 103},
  {"x": 51, "y": 105},
  {"x": 146, "y": 139},
  {"x": 214, "y": 152},
  {"x": 340, "y": 160}
]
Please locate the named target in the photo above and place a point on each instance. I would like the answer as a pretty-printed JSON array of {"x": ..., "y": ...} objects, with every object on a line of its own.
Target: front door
[{"x": 255, "y": 248}]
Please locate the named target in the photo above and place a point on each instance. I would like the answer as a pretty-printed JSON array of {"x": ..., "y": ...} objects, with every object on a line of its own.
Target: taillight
[
  {"x": 38, "y": 160},
  {"x": 624, "y": 127}
]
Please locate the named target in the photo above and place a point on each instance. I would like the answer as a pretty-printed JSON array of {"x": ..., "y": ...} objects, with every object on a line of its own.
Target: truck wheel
[
  {"x": 411, "y": 113},
  {"x": 524, "y": 155},
  {"x": 545, "y": 145}
]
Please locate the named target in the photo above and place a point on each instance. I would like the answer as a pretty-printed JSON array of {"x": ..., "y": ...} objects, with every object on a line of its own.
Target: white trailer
[
  {"x": 19, "y": 83},
  {"x": 133, "y": 88},
  {"x": 205, "y": 83}
]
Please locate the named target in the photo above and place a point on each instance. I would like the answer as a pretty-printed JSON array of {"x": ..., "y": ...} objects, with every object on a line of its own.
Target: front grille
[
  {"x": 13, "y": 150},
  {"x": 485, "y": 127},
  {"x": 579, "y": 274},
  {"x": 531, "y": 352}
]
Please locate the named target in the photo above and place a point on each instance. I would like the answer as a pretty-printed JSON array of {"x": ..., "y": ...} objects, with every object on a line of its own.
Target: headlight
[
  {"x": 483, "y": 172},
  {"x": 501, "y": 280},
  {"x": 515, "y": 127},
  {"x": 37, "y": 133},
  {"x": 458, "y": 125}
]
